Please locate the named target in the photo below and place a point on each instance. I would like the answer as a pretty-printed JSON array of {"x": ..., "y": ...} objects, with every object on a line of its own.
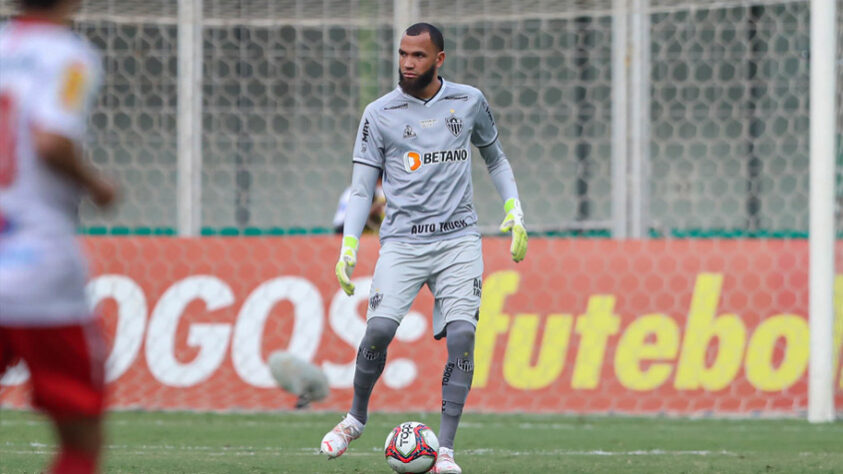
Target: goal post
[
  {"x": 189, "y": 117},
  {"x": 822, "y": 175}
]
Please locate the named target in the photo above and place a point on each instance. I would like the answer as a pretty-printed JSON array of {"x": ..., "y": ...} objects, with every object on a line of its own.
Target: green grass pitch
[{"x": 181, "y": 442}]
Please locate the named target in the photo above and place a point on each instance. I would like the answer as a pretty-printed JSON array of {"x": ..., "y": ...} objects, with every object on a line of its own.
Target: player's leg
[
  {"x": 81, "y": 444},
  {"x": 67, "y": 367},
  {"x": 456, "y": 289},
  {"x": 456, "y": 383},
  {"x": 397, "y": 280},
  {"x": 371, "y": 359},
  {"x": 7, "y": 357},
  {"x": 456, "y": 380}
]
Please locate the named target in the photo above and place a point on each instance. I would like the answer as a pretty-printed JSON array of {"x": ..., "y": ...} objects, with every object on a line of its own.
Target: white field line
[
  {"x": 555, "y": 426},
  {"x": 19, "y": 448},
  {"x": 599, "y": 452},
  {"x": 299, "y": 424}
]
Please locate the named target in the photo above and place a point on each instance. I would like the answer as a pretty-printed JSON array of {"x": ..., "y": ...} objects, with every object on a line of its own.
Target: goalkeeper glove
[
  {"x": 346, "y": 263},
  {"x": 514, "y": 221}
]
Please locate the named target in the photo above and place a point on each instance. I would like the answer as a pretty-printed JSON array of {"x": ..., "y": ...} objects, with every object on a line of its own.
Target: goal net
[{"x": 683, "y": 124}]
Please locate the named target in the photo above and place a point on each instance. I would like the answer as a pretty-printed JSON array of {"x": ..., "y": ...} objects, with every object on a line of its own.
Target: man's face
[{"x": 419, "y": 61}]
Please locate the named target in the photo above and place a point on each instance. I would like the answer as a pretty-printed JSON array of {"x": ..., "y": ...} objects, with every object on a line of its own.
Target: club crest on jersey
[
  {"x": 454, "y": 125},
  {"x": 408, "y": 132}
]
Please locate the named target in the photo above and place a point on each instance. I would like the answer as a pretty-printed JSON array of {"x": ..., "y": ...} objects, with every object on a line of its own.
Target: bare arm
[{"x": 63, "y": 156}]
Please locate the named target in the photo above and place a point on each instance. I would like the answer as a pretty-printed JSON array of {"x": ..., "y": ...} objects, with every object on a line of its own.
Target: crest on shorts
[
  {"x": 375, "y": 301},
  {"x": 454, "y": 125},
  {"x": 465, "y": 365}
]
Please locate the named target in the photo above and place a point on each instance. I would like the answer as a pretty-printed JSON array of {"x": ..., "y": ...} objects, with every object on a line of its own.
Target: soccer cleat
[
  {"x": 445, "y": 463},
  {"x": 335, "y": 442}
]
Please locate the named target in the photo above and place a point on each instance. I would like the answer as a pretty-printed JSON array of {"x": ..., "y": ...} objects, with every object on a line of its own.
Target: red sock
[{"x": 70, "y": 461}]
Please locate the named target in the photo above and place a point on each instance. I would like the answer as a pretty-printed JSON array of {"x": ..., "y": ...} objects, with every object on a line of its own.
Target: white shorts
[
  {"x": 452, "y": 269},
  {"x": 42, "y": 282}
]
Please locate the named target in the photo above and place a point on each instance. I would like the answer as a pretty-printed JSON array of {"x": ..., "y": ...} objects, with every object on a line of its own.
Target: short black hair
[
  {"x": 38, "y": 4},
  {"x": 435, "y": 34}
]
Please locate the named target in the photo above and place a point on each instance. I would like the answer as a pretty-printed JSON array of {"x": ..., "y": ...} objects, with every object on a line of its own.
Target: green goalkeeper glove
[
  {"x": 346, "y": 263},
  {"x": 514, "y": 221}
]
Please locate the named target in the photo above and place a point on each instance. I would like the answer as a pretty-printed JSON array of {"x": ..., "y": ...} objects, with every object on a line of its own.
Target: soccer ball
[{"x": 411, "y": 447}]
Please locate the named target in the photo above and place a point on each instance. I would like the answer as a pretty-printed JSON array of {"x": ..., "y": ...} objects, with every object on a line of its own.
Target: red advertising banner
[{"x": 685, "y": 326}]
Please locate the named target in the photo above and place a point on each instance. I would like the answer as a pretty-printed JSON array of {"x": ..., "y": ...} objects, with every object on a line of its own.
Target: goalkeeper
[{"x": 420, "y": 136}]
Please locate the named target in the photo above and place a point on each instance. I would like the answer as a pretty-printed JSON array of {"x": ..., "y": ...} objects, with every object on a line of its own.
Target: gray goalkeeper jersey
[{"x": 424, "y": 151}]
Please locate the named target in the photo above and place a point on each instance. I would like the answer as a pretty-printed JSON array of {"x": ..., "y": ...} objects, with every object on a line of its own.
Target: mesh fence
[
  {"x": 730, "y": 118},
  {"x": 679, "y": 326},
  {"x": 284, "y": 85}
]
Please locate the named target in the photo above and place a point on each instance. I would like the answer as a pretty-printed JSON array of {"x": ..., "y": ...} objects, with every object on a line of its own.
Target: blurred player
[
  {"x": 48, "y": 79},
  {"x": 298, "y": 377},
  {"x": 419, "y": 135}
]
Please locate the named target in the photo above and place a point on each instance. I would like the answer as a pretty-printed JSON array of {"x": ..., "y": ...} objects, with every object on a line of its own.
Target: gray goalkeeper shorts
[{"x": 452, "y": 269}]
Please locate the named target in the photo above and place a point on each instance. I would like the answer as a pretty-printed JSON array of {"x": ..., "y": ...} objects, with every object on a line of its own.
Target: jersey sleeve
[
  {"x": 63, "y": 102},
  {"x": 485, "y": 131},
  {"x": 368, "y": 147}
]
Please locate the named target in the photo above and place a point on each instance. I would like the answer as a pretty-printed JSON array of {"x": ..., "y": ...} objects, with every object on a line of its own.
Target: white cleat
[
  {"x": 445, "y": 463},
  {"x": 336, "y": 441}
]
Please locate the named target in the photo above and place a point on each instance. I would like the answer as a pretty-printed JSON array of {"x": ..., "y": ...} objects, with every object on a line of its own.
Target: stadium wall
[{"x": 585, "y": 326}]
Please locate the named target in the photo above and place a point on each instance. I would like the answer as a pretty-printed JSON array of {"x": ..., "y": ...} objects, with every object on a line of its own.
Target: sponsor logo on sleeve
[
  {"x": 364, "y": 136},
  {"x": 489, "y": 112}
]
